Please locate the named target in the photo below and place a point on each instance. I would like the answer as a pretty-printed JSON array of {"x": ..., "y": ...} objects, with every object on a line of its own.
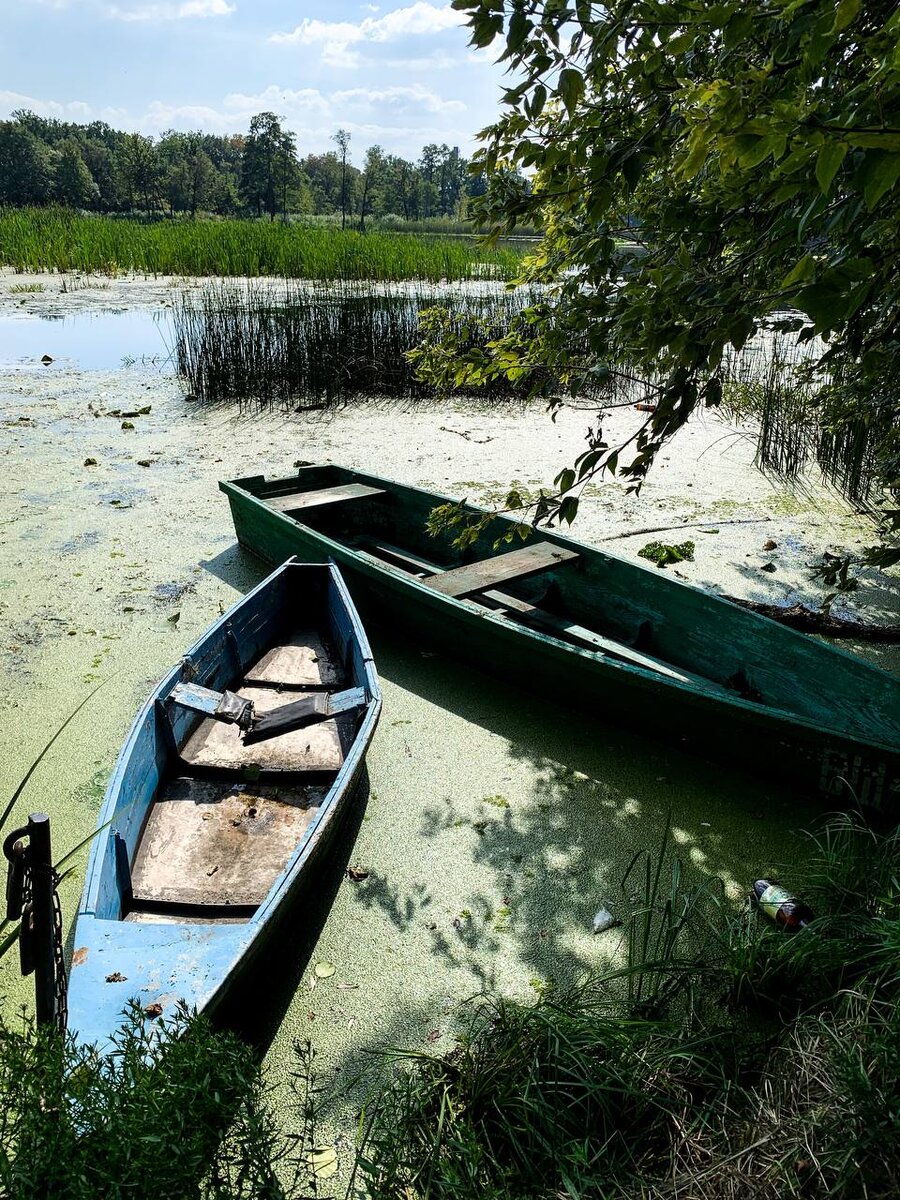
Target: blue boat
[{"x": 224, "y": 800}]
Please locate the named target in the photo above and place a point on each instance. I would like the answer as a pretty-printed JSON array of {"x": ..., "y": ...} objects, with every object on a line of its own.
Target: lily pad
[
  {"x": 324, "y": 1161},
  {"x": 324, "y": 970}
]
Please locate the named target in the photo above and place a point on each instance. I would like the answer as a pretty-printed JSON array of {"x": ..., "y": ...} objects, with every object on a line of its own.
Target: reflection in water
[{"x": 88, "y": 341}]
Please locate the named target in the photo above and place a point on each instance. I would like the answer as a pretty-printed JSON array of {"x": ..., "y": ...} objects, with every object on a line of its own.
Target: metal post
[{"x": 41, "y": 864}]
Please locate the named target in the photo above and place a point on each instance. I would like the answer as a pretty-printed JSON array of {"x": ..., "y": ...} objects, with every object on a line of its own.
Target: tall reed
[
  {"x": 319, "y": 344},
  {"x": 41, "y": 239}
]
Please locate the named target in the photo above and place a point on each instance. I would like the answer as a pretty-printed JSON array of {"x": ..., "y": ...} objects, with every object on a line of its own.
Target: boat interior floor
[
  {"x": 209, "y": 843},
  {"x": 214, "y": 841}
]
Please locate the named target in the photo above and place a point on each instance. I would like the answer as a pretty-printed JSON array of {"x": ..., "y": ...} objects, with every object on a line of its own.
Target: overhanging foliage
[{"x": 749, "y": 151}]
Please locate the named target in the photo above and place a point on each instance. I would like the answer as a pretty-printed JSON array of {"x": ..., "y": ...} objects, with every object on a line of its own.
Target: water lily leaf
[
  {"x": 324, "y": 1161},
  {"x": 324, "y": 970}
]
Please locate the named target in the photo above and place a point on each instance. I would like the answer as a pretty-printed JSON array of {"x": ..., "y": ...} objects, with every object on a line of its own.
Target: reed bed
[
  {"x": 48, "y": 239},
  {"x": 317, "y": 346}
]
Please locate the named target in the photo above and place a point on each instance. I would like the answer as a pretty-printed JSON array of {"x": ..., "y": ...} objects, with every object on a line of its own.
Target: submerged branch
[{"x": 810, "y": 620}]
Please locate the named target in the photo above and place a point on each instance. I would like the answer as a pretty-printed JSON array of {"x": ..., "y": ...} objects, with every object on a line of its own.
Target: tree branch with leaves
[{"x": 751, "y": 148}]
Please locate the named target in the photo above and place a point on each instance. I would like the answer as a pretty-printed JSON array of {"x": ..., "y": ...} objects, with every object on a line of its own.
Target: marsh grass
[
  {"x": 803, "y": 415},
  {"x": 48, "y": 239},
  {"x": 726, "y": 1061},
  {"x": 321, "y": 345},
  {"x": 176, "y": 1111}
]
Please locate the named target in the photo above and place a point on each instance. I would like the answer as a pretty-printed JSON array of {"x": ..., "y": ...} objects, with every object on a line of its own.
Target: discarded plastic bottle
[{"x": 778, "y": 903}]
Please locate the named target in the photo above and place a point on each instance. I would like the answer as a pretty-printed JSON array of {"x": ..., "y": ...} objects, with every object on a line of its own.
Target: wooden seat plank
[
  {"x": 222, "y": 747},
  {"x": 330, "y": 495},
  {"x": 504, "y": 568}
]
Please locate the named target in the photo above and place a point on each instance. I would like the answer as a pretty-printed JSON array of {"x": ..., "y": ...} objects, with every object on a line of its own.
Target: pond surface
[
  {"x": 87, "y": 341},
  {"x": 496, "y": 823}
]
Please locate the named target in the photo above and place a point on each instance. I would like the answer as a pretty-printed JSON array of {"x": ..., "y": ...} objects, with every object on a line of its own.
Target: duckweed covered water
[{"x": 495, "y": 824}]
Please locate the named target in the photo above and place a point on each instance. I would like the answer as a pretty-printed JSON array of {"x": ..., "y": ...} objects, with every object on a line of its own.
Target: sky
[{"x": 397, "y": 74}]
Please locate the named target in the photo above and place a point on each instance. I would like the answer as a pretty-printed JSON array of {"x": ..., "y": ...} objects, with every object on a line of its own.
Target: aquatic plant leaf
[
  {"x": 324, "y": 1161},
  {"x": 662, "y": 554}
]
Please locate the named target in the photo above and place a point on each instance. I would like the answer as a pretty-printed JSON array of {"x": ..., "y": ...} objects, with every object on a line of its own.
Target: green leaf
[
  {"x": 879, "y": 174},
  {"x": 519, "y": 29},
  {"x": 875, "y": 140},
  {"x": 568, "y": 509},
  {"x": 846, "y": 14},
  {"x": 739, "y": 329},
  {"x": 570, "y": 88},
  {"x": 828, "y": 163},
  {"x": 822, "y": 304},
  {"x": 564, "y": 480},
  {"x": 697, "y": 151},
  {"x": 799, "y": 273},
  {"x": 587, "y": 462},
  {"x": 773, "y": 143}
]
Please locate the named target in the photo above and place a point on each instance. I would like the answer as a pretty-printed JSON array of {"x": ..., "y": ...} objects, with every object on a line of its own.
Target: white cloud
[
  {"x": 429, "y": 62},
  {"x": 398, "y": 99},
  {"x": 401, "y": 118},
  {"x": 276, "y": 99},
  {"x": 72, "y": 110},
  {"x": 185, "y": 10},
  {"x": 336, "y": 37}
]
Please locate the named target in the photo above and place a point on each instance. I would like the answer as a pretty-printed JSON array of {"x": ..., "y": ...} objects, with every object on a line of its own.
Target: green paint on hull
[{"x": 754, "y": 692}]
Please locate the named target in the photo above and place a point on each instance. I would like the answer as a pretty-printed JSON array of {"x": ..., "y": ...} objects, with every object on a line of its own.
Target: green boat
[{"x": 594, "y": 631}]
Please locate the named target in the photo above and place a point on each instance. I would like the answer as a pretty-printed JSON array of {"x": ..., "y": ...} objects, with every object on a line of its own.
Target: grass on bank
[
  {"x": 179, "y": 1114},
  {"x": 726, "y": 1061},
  {"x": 48, "y": 239}
]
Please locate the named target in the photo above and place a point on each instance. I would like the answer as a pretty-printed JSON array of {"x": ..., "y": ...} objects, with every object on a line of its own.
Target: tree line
[{"x": 99, "y": 168}]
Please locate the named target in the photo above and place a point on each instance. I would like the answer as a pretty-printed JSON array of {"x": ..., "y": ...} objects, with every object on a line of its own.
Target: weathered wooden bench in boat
[
  {"x": 594, "y": 630},
  {"x": 225, "y": 798}
]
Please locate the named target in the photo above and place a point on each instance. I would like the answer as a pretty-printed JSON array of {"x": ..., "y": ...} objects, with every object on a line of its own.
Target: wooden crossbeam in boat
[
  {"x": 300, "y": 713},
  {"x": 330, "y": 495},
  {"x": 503, "y": 568},
  {"x": 531, "y": 614},
  {"x": 222, "y": 706}
]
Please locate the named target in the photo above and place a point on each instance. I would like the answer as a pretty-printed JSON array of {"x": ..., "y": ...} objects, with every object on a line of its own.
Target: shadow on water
[
  {"x": 575, "y": 800},
  {"x": 236, "y": 566},
  {"x": 499, "y": 823}
]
